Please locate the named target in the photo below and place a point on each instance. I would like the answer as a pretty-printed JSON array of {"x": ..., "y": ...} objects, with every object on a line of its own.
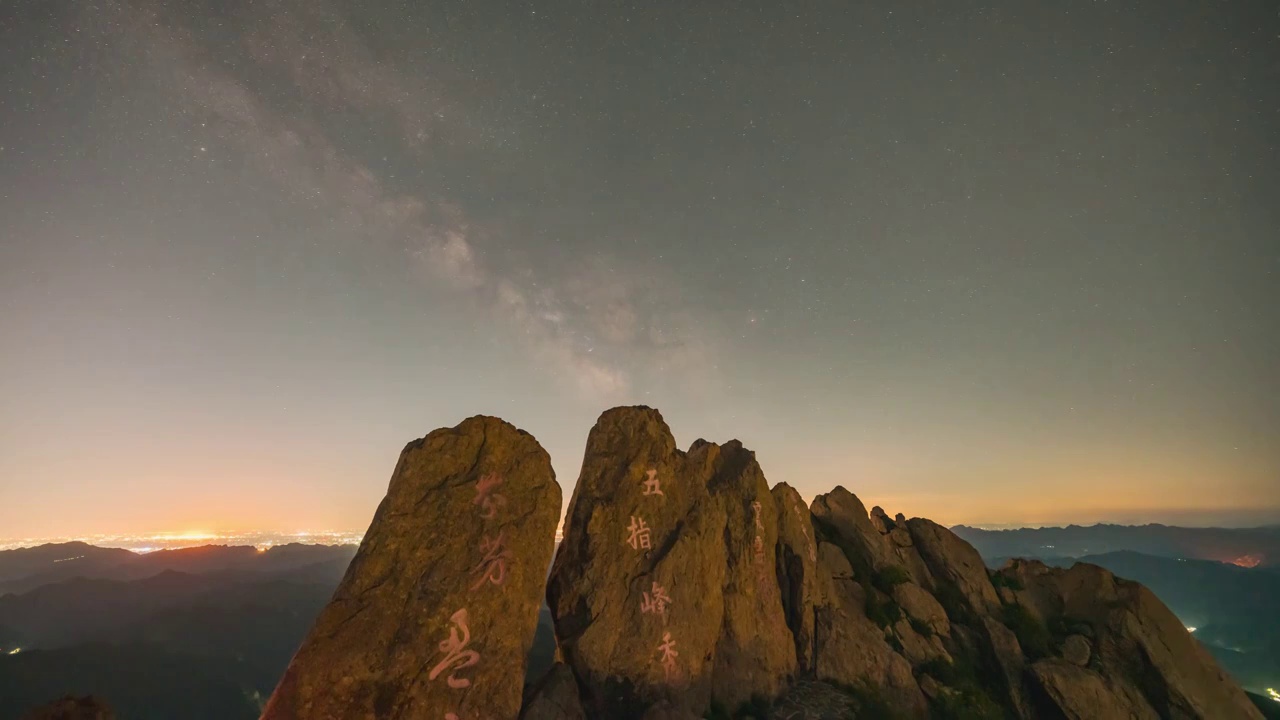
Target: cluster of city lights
[{"x": 150, "y": 542}]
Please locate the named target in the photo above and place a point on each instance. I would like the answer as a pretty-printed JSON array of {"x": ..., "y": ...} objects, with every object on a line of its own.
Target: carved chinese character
[
  {"x": 656, "y": 602},
  {"x": 456, "y": 656},
  {"x": 669, "y": 655},
  {"x": 755, "y": 510},
  {"x": 493, "y": 567},
  {"x": 651, "y": 486},
  {"x": 757, "y": 546},
  {"x": 804, "y": 529},
  {"x": 486, "y": 497},
  {"x": 639, "y": 537}
]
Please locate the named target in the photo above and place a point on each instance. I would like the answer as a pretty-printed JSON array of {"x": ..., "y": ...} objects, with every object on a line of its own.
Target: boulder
[
  {"x": 555, "y": 697},
  {"x": 833, "y": 562},
  {"x": 903, "y": 549},
  {"x": 871, "y": 542},
  {"x": 923, "y": 607},
  {"x": 1037, "y": 591},
  {"x": 1003, "y": 646},
  {"x": 919, "y": 649},
  {"x": 899, "y": 535},
  {"x": 438, "y": 607},
  {"x": 881, "y": 521},
  {"x": 955, "y": 562},
  {"x": 1076, "y": 650},
  {"x": 851, "y": 650},
  {"x": 930, "y": 687},
  {"x": 1139, "y": 644},
  {"x": 843, "y": 519},
  {"x": 1080, "y": 694},
  {"x": 797, "y": 558},
  {"x": 665, "y": 591}
]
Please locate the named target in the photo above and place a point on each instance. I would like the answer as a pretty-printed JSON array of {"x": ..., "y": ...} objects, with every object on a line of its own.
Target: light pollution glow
[
  {"x": 989, "y": 299},
  {"x": 150, "y": 542}
]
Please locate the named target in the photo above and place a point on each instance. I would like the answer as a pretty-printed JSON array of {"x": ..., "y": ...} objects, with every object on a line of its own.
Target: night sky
[{"x": 1011, "y": 262}]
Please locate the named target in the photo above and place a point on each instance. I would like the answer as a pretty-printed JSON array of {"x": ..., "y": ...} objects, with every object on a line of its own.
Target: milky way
[{"x": 1011, "y": 262}]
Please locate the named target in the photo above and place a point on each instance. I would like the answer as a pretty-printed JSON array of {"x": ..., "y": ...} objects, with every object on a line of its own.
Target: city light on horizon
[{"x": 144, "y": 543}]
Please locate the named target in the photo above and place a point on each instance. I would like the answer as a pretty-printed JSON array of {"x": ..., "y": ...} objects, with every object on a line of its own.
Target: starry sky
[{"x": 1011, "y": 262}]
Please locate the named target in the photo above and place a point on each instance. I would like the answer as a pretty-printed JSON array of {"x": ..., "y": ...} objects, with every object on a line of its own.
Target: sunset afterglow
[
  {"x": 496, "y": 360},
  {"x": 1020, "y": 288},
  {"x": 150, "y": 542}
]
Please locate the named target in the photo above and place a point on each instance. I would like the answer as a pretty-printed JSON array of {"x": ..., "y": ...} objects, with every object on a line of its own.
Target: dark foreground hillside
[
  {"x": 1246, "y": 547},
  {"x": 214, "y": 649}
]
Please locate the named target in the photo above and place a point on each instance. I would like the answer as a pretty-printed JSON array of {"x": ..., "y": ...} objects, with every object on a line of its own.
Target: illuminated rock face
[
  {"x": 436, "y": 613},
  {"x": 665, "y": 590},
  {"x": 684, "y": 584},
  {"x": 797, "y": 561}
]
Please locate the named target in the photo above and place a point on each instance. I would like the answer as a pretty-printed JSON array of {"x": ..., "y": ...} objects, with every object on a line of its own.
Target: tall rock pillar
[{"x": 436, "y": 613}]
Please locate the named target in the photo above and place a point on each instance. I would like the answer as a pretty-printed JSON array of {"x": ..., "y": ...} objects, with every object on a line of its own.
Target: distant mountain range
[
  {"x": 1246, "y": 547},
  {"x": 206, "y": 632},
  {"x": 29, "y": 568},
  {"x": 195, "y": 633}
]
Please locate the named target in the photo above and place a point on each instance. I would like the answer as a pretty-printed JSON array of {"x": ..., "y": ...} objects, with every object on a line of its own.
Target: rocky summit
[
  {"x": 665, "y": 589},
  {"x": 687, "y": 587},
  {"x": 436, "y": 613}
]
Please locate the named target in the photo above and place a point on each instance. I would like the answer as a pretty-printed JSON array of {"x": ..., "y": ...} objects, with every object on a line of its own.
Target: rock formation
[
  {"x": 437, "y": 610},
  {"x": 664, "y": 590},
  {"x": 852, "y": 650},
  {"x": 1112, "y": 644},
  {"x": 685, "y": 586},
  {"x": 797, "y": 559}
]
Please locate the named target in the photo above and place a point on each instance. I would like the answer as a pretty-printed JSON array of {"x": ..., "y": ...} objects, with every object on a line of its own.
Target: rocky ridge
[{"x": 686, "y": 587}]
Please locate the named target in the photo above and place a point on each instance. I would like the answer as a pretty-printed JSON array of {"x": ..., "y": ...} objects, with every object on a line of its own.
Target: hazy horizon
[{"x": 195, "y": 537}]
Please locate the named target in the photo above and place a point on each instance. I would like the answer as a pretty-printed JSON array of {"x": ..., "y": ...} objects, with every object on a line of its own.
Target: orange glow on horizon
[{"x": 186, "y": 535}]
